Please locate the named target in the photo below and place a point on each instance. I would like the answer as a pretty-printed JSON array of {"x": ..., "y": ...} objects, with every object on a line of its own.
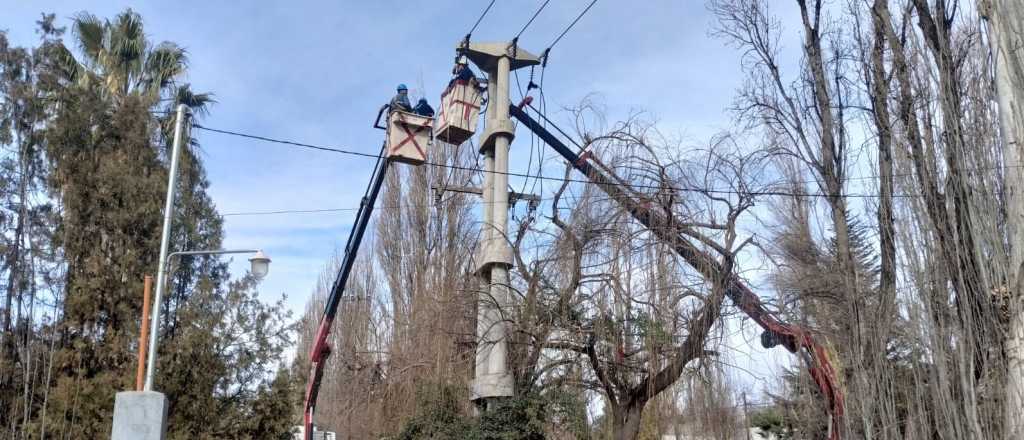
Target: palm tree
[{"x": 117, "y": 59}]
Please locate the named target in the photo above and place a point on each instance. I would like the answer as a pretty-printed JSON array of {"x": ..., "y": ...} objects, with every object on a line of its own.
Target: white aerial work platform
[
  {"x": 408, "y": 137},
  {"x": 460, "y": 110}
]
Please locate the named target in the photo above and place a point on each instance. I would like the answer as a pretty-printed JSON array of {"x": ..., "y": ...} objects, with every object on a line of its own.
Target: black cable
[
  {"x": 540, "y": 145},
  {"x": 560, "y": 179},
  {"x": 550, "y": 122},
  {"x": 535, "y": 14},
  {"x": 578, "y": 17},
  {"x": 287, "y": 211},
  {"x": 279, "y": 141},
  {"x": 478, "y": 20},
  {"x": 519, "y": 85},
  {"x": 337, "y": 210},
  {"x": 522, "y": 97}
]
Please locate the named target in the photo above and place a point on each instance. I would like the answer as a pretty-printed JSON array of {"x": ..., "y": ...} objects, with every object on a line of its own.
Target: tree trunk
[
  {"x": 830, "y": 168},
  {"x": 626, "y": 421},
  {"x": 883, "y": 123},
  {"x": 886, "y": 308},
  {"x": 1006, "y": 35}
]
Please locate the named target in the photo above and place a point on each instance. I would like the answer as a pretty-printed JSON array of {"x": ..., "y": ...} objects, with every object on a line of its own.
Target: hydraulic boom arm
[{"x": 320, "y": 351}]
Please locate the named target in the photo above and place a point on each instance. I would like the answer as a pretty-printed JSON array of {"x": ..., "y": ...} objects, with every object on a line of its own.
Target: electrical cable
[
  {"x": 752, "y": 193},
  {"x": 478, "y": 20},
  {"x": 535, "y": 14},
  {"x": 540, "y": 145},
  {"x": 553, "y": 43},
  {"x": 326, "y": 210},
  {"x": 280, "y": 141}
]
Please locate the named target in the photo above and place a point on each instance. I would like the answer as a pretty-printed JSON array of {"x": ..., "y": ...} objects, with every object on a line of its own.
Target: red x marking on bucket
[
  {"x": 467, "y": 106},
  {"x": 411, "y": 137}
]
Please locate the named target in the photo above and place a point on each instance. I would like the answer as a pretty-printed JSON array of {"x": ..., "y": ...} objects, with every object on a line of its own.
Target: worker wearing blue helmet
[{"x": 401, "y": 100}]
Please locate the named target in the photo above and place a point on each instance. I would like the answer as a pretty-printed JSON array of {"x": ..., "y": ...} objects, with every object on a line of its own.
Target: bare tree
[
  {"x": 1006, "y": 36},
  {"x": 807, "y": 118},
  {"x": 930, "y": 122},
  {"x": 403, "y": 324},
  {"x": 620, "y": 299}
]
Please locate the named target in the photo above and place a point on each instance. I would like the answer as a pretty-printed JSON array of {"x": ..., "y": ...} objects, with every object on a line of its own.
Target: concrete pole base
[
  {"x": 139, "y": 415},
  {"x": 492, "y": 385}
]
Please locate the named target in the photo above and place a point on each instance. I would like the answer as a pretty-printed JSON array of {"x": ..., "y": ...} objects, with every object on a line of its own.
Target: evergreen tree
[
  {"x": 109, "y": 180},
  {"x": 91, "y": 136},
  {"x": 26, "y": 220}
]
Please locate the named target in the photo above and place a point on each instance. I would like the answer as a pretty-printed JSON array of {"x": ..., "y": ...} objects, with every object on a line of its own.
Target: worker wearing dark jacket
[
  {"x": 423, "y": 109},
  {"x": 462, "y": 72},
  {"x": 401, "y": 100}
]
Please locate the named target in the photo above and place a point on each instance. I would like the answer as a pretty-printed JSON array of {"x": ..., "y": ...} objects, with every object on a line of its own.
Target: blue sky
[{"x": 317, "y": 71}]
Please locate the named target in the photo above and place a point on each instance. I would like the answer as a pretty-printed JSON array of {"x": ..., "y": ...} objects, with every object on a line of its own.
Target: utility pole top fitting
[{"x": 485, "y": 55}]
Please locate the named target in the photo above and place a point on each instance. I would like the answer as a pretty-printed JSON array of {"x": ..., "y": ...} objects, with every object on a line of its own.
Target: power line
[
  {"x": 578, "y": 17},
  {"x": 709, "y": 191},
  {"x": 323, "y": 210},
  {"x": 851, "y": 178},
  {"x": 287, "y": 211},
  {"x": 535, "y": 14},
  {"x": 472, "y": 201},
  {"x": 478, "y": 20},
  {"x": 286, "y": 142}
]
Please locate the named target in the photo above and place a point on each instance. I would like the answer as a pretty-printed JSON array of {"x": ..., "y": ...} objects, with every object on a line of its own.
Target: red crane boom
[{"x": 796, "y": 339}]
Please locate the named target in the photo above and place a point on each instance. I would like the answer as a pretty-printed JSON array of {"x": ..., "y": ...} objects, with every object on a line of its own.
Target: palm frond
[
  {"x": 127, "y": 49},
  {"x": 197, "y": 102},
  {"x": 64, "y": 64},
  {"x": 128, "y": 39},
  {"x": 89, "y": 33},
  {"x": 163, "y": 64}
]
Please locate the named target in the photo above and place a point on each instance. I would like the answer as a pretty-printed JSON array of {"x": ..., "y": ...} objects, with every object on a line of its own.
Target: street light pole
[
  {"x": 259, "y": 263},
  {"x": 165, "y": 239},
  {"x": 259, "y": 266},
  {"x": 142, "y": 415}
]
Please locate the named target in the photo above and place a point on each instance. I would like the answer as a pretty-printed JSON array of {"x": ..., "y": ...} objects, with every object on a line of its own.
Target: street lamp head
[{"x": 260, "y": 265}]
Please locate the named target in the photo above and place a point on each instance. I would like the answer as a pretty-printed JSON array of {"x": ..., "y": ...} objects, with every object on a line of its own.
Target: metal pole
[
  {"x": 165, "y": 239},
  {"x": 212, "y": 252}
]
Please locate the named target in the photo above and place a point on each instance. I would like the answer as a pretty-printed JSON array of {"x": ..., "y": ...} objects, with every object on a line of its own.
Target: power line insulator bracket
[
  {"x": 495, "y": 128},
  {"x": 485, "y": 56}
]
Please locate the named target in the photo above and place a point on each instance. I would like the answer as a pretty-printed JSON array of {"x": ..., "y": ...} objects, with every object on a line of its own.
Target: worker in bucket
[
  {"x": 401, "y": 100},
  {"x": 462, "y": 71},
  {"x": 423, "y": 108}
]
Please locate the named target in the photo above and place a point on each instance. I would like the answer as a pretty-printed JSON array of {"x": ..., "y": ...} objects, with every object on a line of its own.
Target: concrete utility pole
[{"x": 492, "y": 379}]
